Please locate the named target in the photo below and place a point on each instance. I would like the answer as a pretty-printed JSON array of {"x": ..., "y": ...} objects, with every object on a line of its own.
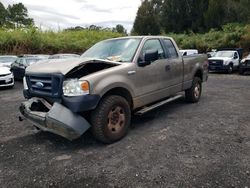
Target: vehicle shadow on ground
[
  {"x": 6, "y": 88},
  {"x": 223, "y": 73},
  {"x": 57, "y": 143},
  {"x": 139, "y": 121}
]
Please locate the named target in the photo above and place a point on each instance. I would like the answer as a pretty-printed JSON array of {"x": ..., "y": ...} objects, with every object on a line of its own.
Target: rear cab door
[{"x": 174, "y": 66}]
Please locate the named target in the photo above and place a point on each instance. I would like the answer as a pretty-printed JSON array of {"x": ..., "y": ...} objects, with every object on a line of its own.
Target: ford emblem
[{"x": 39, "y": 84}]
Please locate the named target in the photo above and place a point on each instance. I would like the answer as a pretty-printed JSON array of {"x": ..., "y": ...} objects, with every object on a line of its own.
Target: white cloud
[{"x": 69, "y": 13}]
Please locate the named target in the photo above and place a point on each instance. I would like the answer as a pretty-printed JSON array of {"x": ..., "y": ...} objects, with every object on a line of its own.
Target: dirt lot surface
[{"x": 178, "y": 145}]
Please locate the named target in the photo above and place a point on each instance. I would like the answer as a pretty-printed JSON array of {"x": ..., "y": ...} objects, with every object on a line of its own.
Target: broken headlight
[{"x": 75, "y": 87}]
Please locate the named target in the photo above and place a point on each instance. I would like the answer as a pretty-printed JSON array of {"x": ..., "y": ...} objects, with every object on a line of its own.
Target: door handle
[{"x": 167, "y": 68}]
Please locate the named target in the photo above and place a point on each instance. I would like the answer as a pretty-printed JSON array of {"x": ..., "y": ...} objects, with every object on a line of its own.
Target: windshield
[
  {"x": 31, "y": 61},
  {"x": 224, "y": 54},
  {"x": 119, "y": 50},
  {"x": 64, "y": 56},
  {"x": 7, "y": 59}
]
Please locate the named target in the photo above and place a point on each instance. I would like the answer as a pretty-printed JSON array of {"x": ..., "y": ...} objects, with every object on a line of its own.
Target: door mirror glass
[{"x": 151, "y": 55}]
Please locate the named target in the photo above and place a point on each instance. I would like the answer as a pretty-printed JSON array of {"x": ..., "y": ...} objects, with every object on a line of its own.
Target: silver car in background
[{"x": 7, "y": 60}]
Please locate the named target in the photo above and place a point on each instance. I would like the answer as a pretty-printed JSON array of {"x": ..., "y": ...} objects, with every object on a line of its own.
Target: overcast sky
[{"x": 60, "y": 14}]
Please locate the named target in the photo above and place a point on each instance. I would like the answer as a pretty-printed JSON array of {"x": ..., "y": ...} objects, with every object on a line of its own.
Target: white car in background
[
  {"x": 6, "y": 77},
  {"x": 187, "y": 52}
]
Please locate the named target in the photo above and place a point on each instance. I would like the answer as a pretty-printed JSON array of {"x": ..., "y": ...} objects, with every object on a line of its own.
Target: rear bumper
[{"x": 56, "y": 119}]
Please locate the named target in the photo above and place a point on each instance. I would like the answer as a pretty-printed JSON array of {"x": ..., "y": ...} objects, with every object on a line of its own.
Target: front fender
[{"x": 115, "y": 81}]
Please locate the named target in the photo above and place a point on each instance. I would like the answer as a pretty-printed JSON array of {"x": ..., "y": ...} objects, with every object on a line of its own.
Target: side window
[
  {"x": 170, "y": 48},
  {"x": 235, "y": 55},
  {"x": 21, "y": 62},
  {"x": 154, "y": 44}
]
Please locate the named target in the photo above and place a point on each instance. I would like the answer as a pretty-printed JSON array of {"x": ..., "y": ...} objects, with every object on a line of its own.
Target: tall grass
[{"x": 24, "y": 41}]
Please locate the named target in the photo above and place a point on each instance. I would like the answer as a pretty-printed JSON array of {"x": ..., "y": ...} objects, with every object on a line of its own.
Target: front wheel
[
  {"x": 193, "y": 94},
  {"x": 230, "y": 69},
  {"x": 111, "y": 119}
]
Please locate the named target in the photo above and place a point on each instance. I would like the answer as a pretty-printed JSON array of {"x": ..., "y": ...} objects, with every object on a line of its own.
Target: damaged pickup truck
[{"x": 111, "y": 81}]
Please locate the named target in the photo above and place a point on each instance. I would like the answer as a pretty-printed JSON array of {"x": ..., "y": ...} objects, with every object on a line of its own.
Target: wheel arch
[
  {"x": 199, "y": 74},
  {"x": 120, "y": 91}
]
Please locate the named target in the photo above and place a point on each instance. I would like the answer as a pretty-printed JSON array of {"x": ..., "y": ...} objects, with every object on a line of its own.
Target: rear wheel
[
  {"x": 111, "y": 119},
  {"x": 193, "y": 94}
]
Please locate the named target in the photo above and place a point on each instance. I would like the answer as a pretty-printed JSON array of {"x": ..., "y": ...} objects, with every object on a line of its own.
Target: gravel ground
[{"x": 178, "y": 145}]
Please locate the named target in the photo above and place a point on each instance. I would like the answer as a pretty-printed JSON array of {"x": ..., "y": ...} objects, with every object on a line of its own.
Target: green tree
[
  {"x": 3, "y": 15},
  {"x": 178, "y": 16},
  {"x": 244, "y": 11},
  {"x": 18, "y": 15},
  {"x": 215, "y": 15},
  {"x": 146, "y": 21},
  {"x": 120, "y": 29}
]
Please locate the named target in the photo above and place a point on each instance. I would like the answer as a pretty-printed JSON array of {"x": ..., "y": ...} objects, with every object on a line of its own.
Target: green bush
[{"x": 232, "y": 35}]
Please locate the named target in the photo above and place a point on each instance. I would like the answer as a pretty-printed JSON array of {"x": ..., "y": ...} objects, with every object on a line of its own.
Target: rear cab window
[{"x": 170, "y": 49}]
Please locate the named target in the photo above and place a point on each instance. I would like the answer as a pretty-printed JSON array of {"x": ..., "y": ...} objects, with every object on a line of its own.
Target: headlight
[
  {"x": 75, "y": 87},
  {"x": 225, "y": 62},
  {"x": 25, "y": 86}
]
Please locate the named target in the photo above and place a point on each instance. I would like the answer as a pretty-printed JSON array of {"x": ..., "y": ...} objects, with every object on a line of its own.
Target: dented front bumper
[{"x": 54, "y": 118}]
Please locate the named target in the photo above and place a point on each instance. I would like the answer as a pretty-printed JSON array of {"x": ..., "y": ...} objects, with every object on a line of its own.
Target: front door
[{"x": 154, "y": 79}]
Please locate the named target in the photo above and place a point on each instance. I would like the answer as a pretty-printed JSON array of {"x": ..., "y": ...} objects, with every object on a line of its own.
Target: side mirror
[{"x": 149, "y": 56}]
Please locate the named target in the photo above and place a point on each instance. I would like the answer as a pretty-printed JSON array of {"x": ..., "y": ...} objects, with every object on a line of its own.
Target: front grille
[
  {"x": 2, "y": 82},
  {"x": 248, "y": 62},
  {"x": 45, "y": 85},
  {"x": 216, "y": 62}
]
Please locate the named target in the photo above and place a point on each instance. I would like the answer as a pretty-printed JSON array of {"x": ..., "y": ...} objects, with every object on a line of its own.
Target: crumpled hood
[
  {"x": 220, "y": 58},
  {"x": 4, "y": 70},
  {"x": 62, "y": 66}
]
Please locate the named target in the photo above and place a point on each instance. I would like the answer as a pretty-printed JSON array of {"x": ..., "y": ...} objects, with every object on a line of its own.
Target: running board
[{"x": 154, "y": 106}]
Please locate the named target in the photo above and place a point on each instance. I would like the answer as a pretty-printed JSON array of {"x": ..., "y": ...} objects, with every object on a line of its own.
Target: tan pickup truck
[{"x": 111, "y": 81}]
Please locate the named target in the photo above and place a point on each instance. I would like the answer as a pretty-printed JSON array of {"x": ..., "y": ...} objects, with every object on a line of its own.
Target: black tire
[
  {"x": 193, "y": 94},
  {"x": 111, "y": 119},
  {"x": 241, "y": 71},
  {"x": 230, "y": 69}
]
